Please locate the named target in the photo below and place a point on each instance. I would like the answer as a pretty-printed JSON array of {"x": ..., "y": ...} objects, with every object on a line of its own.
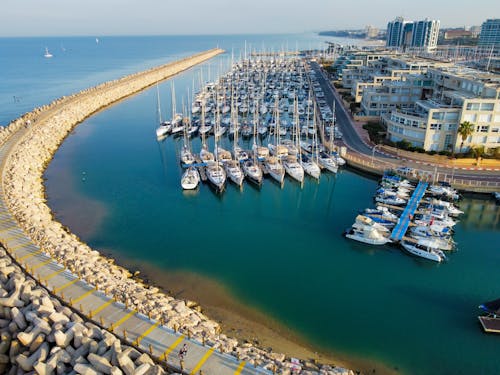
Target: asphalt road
[{"x": 352, "y": 140}]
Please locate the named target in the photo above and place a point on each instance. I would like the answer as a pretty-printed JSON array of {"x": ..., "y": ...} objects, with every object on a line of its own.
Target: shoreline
[
  {"x": 32, "y": 140},
  {"x": 240, "y": 321}
]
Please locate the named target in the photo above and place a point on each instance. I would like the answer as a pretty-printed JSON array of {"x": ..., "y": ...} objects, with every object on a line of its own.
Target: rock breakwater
[{"x": 35, "y": 138}]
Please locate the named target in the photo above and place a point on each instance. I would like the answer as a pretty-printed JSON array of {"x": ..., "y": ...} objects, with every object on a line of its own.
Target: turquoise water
[{"x": 280, "y": 250}]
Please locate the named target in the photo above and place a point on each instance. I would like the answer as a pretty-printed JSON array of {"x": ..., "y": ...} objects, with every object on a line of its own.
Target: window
[
  {"x": 495, "y": 130},
  {"x": 470, "y": 118},
  {"x": 484, "y": 118},
  {"x": 487, "y": 106},
  {"x": 483, "y": 128},
  {"x": 473, "y": 106},
  {"x": 435, "y": 126}
]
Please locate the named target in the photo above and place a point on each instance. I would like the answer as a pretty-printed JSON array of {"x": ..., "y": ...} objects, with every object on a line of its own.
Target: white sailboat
[
  {"x": 293, "y": 168},
  {"x": 165, "y": 126},
  {"x": 190, "y": 179},
  {"x": 47, "y": 54}
]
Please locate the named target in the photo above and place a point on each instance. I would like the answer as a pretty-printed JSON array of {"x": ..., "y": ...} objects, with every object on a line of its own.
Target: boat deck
[
  {"x": 404, "y": 221},
  {"x": 490, "y": 324}
]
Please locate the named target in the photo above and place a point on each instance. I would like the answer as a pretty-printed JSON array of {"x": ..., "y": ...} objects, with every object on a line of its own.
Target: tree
[{"x": 465, "y": 130}]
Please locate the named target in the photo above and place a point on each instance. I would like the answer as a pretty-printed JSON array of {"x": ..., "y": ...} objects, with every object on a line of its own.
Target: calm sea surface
[{"x": 278, "y": 250}]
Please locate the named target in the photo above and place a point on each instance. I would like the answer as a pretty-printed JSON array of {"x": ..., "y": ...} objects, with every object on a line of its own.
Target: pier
[{"x": 404, "y": 221}]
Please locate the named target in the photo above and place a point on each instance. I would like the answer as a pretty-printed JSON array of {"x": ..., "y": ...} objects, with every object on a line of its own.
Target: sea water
[{"x": 279, "y": 250}]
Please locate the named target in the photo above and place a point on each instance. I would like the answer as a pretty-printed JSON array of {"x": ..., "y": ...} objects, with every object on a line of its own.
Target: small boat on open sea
[{"x": 47, "y": 54}]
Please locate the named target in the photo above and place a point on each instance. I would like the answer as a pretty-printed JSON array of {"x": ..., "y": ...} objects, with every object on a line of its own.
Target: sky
[{"x": 169, "y": 17}]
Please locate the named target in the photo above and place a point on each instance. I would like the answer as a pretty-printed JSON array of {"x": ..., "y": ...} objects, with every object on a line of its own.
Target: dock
[
  {"x": 490, "y": 324},
  {"x": 404, "y": 221}
]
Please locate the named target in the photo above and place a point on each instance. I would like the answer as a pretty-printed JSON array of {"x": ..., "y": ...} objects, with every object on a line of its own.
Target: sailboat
[
  {"x": 291, "y": 164},
  {"x": 177, "y": 125},
  {"x": 165, "y": 126},
  {"x": 307, "y": 162},
  {"x": 215, "y": 172},
  {"x": 190, "y": 179},
  {"x": 273, "y": 163},
  {"x": 47, "y": 54}
]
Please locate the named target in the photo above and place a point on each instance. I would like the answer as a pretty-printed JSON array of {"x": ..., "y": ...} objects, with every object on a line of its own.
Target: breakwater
[{"x": 38, "y": 134}]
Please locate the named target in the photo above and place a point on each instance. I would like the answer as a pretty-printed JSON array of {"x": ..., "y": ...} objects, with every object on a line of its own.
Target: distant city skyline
[{"x": 155, "y": 17}]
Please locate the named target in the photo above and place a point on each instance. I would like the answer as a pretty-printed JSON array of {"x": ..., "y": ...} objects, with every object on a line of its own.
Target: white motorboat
[
  {"x": 327, "y": 162},
  {"x": 293, "y": 168},
  {"x": 275, "y": 169},
  {"x": 365, "y": 220},
  {"x": 310, "y": 166},
  {"x": 423, "y": 251},
  {"x": 434, "y": 242},
  {"x": 190, "y": 179},
  {"x": 234, "y": 172},
  {"x": 392, "y": 200},
  {"x": 252, "y": 171},
  {"x": 216, "y": 176},
  {"x": 367, "y": 234},
  {"x": 433, "y": 230}
]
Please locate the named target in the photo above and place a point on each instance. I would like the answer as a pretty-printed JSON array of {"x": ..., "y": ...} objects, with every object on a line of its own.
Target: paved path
[{"x": 136, "y": 329}]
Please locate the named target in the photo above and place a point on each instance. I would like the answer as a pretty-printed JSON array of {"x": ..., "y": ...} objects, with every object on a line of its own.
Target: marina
[
  {"x": 270, "y": 101},
  {"x": 431, "y": 226},
  {"x": 334, "y": 268}
]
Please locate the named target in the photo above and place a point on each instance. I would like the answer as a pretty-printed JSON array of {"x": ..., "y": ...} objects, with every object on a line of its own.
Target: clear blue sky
[{"x": 147, "y": 17}]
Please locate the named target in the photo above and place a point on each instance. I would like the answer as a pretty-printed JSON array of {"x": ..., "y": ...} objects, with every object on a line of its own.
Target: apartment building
[{"x": 455, "y": 95}]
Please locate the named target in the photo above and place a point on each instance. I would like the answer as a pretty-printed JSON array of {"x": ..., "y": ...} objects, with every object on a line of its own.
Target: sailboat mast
[{"x": 158, "y": 103}]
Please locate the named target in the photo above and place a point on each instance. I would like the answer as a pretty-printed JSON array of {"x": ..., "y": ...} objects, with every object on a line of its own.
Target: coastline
[
  {"x": 36, "y": 136},
  {"x": 240, "y": 321}
]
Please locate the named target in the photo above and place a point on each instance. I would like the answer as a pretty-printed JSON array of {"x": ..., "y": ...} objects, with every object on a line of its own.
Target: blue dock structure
[{"x": 404, "y": 221}]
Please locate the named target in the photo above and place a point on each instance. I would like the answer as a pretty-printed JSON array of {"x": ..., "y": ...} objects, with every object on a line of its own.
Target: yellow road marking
[
  {"x": 13, "y": 237},
  {"x": 8, "y": 228},
  {"x": 29, "y": 255},
  {"x": 17, "y": 247},
  {"x": 102, "y": 307},
  {"x": 124, "y": 319},
  {"x": 65, "y": 285},
  {"x": 172, "y": 347},
  {"x": 83, "y": 295},
  {"x": 51, "y": 275},
  {"x": 240, "y": 368},
  {"x": 148, "y": 331},
  {"x": 36, "y": 266},
  {"x": 202, "y": 361}
]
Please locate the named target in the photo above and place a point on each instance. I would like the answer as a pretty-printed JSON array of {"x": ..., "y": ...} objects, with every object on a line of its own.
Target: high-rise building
[
  {"x": 402, "y": 33},
  {"x": 425, "y": 34},
  {"x": 490, "y": 33},
  {"x": 396, "y": 32}
]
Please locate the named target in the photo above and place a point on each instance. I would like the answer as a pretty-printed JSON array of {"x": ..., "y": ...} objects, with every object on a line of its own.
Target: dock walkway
[
  {"x": 133, "y": 328},
  {"x": 404, "y": 221}
]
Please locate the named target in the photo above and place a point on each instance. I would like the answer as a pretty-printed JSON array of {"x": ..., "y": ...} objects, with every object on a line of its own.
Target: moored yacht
[
  {"x": 423, "y": 251},
  {"x": 190, "y": 179}
]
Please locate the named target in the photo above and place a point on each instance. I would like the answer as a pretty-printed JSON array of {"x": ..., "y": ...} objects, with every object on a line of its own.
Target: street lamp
[{"x": 373, "y": 152}]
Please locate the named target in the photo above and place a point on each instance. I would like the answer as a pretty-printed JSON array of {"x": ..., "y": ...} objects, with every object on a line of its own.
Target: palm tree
[{"x": 465, "y": 130}]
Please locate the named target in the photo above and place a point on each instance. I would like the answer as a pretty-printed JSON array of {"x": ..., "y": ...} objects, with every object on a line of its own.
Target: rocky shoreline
[{"x": 41, "y": 132}]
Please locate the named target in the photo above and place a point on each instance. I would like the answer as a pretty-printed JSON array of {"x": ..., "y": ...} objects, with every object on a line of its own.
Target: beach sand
[{"x": 241, "y": 321}]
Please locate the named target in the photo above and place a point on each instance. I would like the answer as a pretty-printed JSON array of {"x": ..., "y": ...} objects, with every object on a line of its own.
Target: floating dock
[
  {"x": 404, "y": 221},
  {"x": 490, "y": 324}
]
